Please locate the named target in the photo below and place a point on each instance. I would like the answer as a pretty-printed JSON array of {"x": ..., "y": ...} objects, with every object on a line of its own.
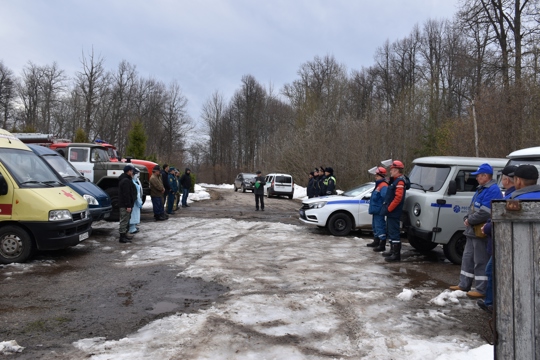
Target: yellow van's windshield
[{"x": 28, "y": 169}]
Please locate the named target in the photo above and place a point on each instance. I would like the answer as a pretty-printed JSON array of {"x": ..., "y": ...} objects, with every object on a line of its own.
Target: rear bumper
[
  {"x": 59, "y": 235},
  {"x": 279, "y": 192}
]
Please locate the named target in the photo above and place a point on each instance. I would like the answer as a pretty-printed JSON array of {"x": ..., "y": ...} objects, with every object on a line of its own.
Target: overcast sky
[{"x": 207, "y": 45}]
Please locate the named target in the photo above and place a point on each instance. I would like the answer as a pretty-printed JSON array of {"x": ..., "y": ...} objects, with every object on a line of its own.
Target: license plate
[{"x": 83, "y": 236}]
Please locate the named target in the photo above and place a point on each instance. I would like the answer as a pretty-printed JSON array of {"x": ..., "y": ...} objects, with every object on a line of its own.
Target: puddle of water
[
  {"x": 188, "y": 297},
  {"x": 163, "y": 307}
]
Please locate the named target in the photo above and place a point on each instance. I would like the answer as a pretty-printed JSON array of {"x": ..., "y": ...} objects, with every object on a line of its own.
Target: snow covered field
[{"x": 294, "y": 295}]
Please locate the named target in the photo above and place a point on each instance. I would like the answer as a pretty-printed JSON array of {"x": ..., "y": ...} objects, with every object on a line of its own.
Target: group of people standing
[
  {"x": 167, "y": 187},
  {"x": 386, "y": 206},
  {"x": 322, "y": 182},
  {"x": 520, "y": 182}
]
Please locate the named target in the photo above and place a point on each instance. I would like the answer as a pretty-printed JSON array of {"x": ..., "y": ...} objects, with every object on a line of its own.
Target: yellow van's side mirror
[{"x": 3, "y": 185}]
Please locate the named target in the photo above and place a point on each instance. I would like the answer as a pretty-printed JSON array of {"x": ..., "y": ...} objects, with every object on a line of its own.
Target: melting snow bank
[{"x": 10, "y": 347}]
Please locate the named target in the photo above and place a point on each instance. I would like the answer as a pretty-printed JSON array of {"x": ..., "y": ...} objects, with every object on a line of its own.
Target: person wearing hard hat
[
  {"x": 375, "y": 204},
  {"x": 393, "y": 207}
]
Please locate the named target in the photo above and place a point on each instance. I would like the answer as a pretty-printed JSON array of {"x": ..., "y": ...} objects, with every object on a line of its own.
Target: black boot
[
  {"x": 396, "y": 253},
  {"x": 389, "y": 252},
  {"x": 381, "y": 246},
  {"x": 375, "y": 242},
  {"x": 124, "y": 239}
]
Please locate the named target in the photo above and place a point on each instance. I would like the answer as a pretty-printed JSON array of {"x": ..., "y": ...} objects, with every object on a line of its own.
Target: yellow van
[{"x": 37, "y": 212}]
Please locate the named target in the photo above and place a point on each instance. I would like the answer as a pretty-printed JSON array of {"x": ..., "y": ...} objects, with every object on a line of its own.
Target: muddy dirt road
[{"x": 63, "y": 296}]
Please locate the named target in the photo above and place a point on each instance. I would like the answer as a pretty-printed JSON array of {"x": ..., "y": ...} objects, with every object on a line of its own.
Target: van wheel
[
  {"x": 115, "y": 213},
  {"x": 290, "y": 197},
  {"x": 235, "y": 189},
  {"x": 339, "y": 224},
  {"x": 421, "y": 245},
  {"x": 455, "y": 247},
  {"x": 15, "y": 245},
  {"x": 243, "y": 188}
]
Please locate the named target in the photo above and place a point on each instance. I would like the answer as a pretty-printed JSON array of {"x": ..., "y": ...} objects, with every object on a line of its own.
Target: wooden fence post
[{"x": 516, "y": 262}]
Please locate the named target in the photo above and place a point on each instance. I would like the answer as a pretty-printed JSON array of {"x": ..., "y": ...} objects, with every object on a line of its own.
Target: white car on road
[{"x": 340, "y": 213}]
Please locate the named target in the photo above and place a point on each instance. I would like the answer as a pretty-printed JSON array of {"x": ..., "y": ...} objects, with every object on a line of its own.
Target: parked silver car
[{"x": 243, "y": 181}]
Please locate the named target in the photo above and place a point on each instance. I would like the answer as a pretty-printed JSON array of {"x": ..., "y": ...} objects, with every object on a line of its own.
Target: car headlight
[
  {"x": 416, "y": 209},
  {"x": 59, "y": 215},
  {"x": 317, "y": 205},
  {"x": 90, "y": 199}
]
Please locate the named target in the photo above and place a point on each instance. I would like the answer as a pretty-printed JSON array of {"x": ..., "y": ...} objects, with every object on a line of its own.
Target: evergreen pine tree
[
  {"x": 80, "y": 136},
  {"x": 136, "y": 141}
]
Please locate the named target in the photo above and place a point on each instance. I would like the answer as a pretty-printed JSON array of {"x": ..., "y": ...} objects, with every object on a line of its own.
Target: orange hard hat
[
  {"x": 396, "y": 164},
  {"x": 381, "y": 171}
]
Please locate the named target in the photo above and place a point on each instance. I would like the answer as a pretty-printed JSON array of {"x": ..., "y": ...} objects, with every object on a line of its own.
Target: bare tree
[
  {"x": 7, "y": 93},
  {"x": 92, "y": 82},
  {"x": 52, "y": 84}
]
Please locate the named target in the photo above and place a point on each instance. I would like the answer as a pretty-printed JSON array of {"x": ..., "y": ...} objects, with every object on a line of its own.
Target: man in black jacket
[
  {"x": 258, "y": 190},
  {"x": 185, "y": 182},
  {"x": 127, "y": 194}
]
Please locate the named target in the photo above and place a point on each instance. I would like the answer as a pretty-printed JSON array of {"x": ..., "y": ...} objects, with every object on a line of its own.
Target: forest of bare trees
[
  {"x": 468, "y": 86},
  {"x": 104, "y": 104}
]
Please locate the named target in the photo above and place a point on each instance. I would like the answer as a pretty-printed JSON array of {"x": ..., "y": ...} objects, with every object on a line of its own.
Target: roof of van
[
  {"x": 8, "y": 140},
  {"x": 523, "y": 153},
  {"x": 460, "y": 160},
  {"x": 42, "y": 150}
]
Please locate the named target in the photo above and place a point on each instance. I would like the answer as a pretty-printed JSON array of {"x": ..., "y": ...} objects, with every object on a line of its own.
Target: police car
[{"x": 340, "y": 213}]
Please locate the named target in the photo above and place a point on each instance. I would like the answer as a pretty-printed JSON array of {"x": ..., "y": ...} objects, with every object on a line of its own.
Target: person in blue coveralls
[{"x": 375, "y": 204}]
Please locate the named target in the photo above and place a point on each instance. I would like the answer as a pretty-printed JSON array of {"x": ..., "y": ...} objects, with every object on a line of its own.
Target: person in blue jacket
[
  {"x": 507, "y": 181},
  {"x": 378, "y": 222},
  {"x": 526, "y": 182},
  {"x": 475, "y": 257},
  {"x": 173, "y": 188}
]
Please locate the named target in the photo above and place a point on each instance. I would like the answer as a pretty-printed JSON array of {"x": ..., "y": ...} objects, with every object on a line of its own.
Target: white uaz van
[
  {"x": 440, "y": 195},
  {"x": 525, "y": 156},
  {"x": 279, "y": 184}
]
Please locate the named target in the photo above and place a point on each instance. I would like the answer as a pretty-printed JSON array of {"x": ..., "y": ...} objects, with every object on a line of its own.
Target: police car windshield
[
  {"x": 359, "y": 190},
  {"x": 28, "y": 169},
  {"x": 428, "y": 177}
]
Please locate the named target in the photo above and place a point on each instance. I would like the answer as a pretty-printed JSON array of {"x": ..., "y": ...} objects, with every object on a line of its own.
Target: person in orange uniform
[{"x": 392, "y": 208}]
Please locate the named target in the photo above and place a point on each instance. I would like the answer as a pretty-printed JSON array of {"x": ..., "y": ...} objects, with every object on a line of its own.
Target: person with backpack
[
  {"x": 393, "y": 207},
  {"x": 375, "y": 203}
]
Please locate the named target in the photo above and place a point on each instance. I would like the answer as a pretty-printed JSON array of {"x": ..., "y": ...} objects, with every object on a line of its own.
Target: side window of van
[{"x": 465, "y": 181}]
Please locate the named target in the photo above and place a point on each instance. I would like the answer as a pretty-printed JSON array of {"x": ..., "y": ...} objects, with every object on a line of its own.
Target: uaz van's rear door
[{"x": 283, "y": 183}]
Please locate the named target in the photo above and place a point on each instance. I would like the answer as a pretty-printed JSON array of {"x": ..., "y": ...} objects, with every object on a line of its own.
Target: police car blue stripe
[{"x": 348, "y": 202}]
